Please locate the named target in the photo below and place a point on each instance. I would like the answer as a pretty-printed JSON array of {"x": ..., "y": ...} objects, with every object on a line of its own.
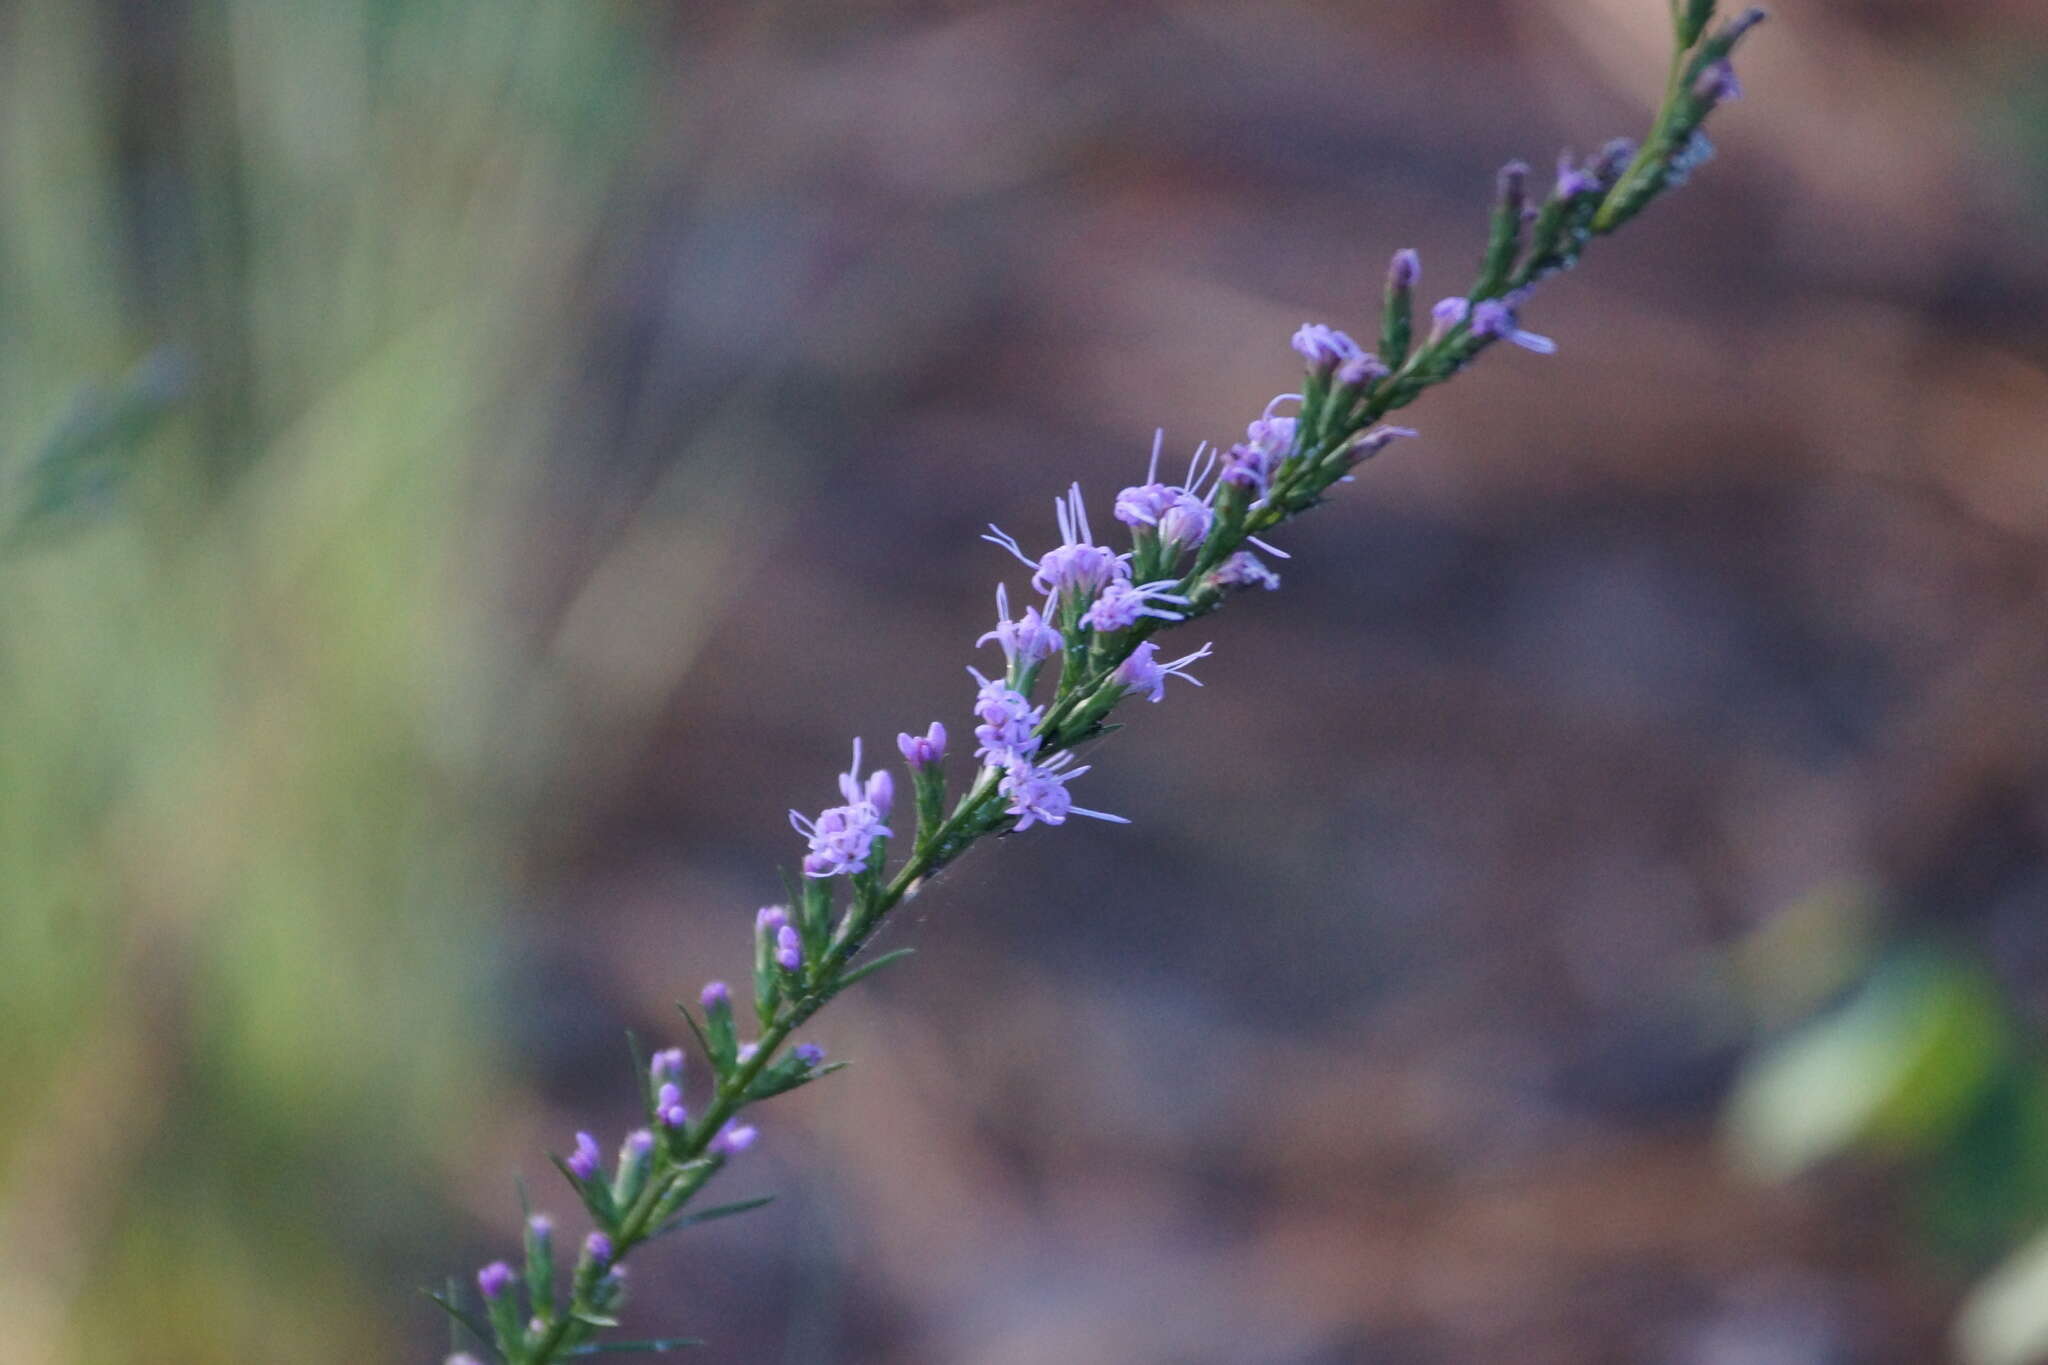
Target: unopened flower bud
[
  {"x": 922, "y": 751},
  {"x": 583, "y": 1161},
  {"x": 494, "y": 1279},
  {"x": 789, "y": 949},
  {"x": 733, "y": 1139}
]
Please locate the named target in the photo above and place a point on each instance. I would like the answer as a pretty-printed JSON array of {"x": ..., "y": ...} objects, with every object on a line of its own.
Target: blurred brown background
[{"x": 1402, "y": 1025}]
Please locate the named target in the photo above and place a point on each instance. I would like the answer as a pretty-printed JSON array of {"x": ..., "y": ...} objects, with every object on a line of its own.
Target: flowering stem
[{"x": 1100, "y": 613}]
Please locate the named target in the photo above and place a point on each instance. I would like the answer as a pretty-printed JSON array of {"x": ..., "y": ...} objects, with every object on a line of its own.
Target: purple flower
[
  {"x": 462, "y": 1358},
  {"x": 1121, "y": 604},
  {"x": 769, "y": 918},
  {"x": 717, "y": 996},
  {"x": 1362, "y": 368},
  {"x": 1038, "y": 793},
  {"x": 668, "y": 1106},
  {"x": 582, "y": 1162},
  {"x": 748, "y": 1051},
  {"x": 637, "y": 1145},
  {"x": 1496, "y": 318},
  {"x": 1178, "y": 512},
  {"x": 1571, "y": 180},
  {"x": 1447, "y": 314},
  {"x": 842, "y": 838},
  {"x": 1405, "y": 270},
  {"x": 1717, "y": 83},
  {"x": 1243, "y": 570},
  {"x": 881, "y": 792},
  {"x": 1008, "y": 720},
  {"x": 1077, "y": 568},
  {"x": 1324, "y": 348},
  {"x": 598, "y": 1248},
  {"x": 733, "y": 1139},
  {"x": 789, "y": 949},
  {"x": 1025, "y": 641},
  {"x": 810, "y": 1054},
  {"x": 924, "y": 751},
  {"x": 541, "y": 1227},
  {"x": 494, "y": 1279},
  {"x": 1186, "y": 522},
  {"x": 1267, "y": 441},
  {"x": 1141, "y": 672},
  {"x": 666, "y": 1065}
]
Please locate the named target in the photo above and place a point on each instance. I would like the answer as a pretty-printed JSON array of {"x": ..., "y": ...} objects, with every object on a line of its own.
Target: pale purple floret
[
  {"x": 1717, "y": 83},
  {"x": 1077, "y": 568},
  {"x": 462, "y": 1358},
  {"x": 668, "y": 1106},
  {"x": 924, "y": 751},
  {"x": 541, "y": 1227},
  {"x": 717, "y": 996},
  {"x": 1447, "y": 314},
  {"x": 1179, "y": 513},
  {"x": 637, "y": 1145},
  {"x": 1368, "y": 444},
  {"x": 1266, "y": 443},
  {"x": 1008, "y": 721},
  {"x": 789, "y": 949},
  {"x": 1572, "y": 180},
  {"x": 1122, "y": 604},
  {"x": 1025, "y": 641},
  {"x": 666, "y": 1065},
  {"x": 1362, "y": 368},
  {"x": 1186, "y": 522},
  {"x": 733, "y": 1139},
  {"x": 1142, "y": 672},
  {"x": 810, "y": 1054},
  {"x": 494, "y": 1279},
  {"x": 769, "y": 918},
  {"x": 582, "y": 1162},
  {"x": 1324, "y": 348},
  {"x": 598, "y": 1248},
  {"x": 1243, "y": 570},
  {"x": 842, "y": 838},
  {"x": 1496, "y": 318},
  {"x": 1038, "y": 793},
  {"x": 748, "y": 1051}
]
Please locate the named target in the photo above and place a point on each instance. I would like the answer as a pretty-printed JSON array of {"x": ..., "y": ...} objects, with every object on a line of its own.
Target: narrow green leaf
[
  {"x": 696, "y": 1032},
  {"x": 711, "y": 1215},
  {"x": 870, "y": 968},
  {"x": 469, "y": 1321}
]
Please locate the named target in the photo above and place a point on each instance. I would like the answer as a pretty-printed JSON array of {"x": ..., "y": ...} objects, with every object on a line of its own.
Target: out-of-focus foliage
[{"x": 274, "y": 276}]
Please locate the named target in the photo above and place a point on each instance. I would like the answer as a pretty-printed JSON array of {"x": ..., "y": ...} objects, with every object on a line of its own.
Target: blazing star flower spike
[{"x": 1191, "y": 547}]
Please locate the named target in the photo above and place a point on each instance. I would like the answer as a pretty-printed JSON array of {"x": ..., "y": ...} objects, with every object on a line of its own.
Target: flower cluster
[
  {"x": 842, "y": 838},
  {"x": 1070, "y": 659}
]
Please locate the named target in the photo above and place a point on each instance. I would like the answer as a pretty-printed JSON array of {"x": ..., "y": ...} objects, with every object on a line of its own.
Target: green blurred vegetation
[
  {"x": 1893, "y": 1047},
  {"x": 272, "y": 275}
]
